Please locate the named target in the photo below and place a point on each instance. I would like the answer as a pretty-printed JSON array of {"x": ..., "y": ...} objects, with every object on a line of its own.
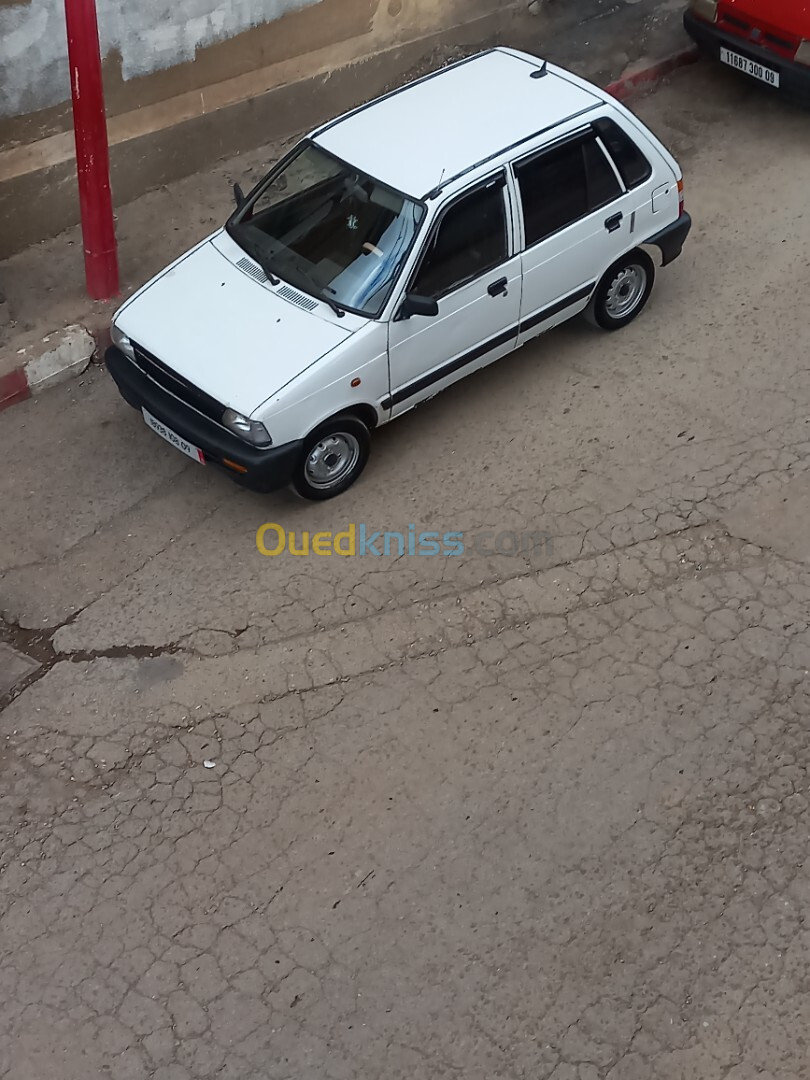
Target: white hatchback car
[{"x": 394, "y": 251}]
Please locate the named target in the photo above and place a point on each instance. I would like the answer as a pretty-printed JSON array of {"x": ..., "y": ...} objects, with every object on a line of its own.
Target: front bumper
[
  {"x": 267, "y": 470},
  {"x": 794, "y": 79}
]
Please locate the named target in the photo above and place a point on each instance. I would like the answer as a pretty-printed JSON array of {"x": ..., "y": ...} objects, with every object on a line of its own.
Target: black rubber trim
[
  {"x": 794, "y": 79},
  {"x": 670, "y": 240},
  {"x": 267, "y": 470},
  {"x": 555, "y": 309},
  {"x": 459, "y": 362},
  {"x": 472, "y": 355}
]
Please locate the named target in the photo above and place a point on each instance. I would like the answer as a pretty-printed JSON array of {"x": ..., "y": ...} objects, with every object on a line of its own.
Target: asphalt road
[{"x": 537, "y": 815}]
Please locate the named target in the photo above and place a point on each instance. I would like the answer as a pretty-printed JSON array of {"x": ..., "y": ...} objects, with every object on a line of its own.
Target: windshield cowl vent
[
  {"x": 253, "y": 269},
  {"x": 298, "y": 298}
]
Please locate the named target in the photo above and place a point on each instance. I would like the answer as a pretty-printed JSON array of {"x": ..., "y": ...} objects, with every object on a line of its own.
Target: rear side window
[
  {"x": 562, "y": 185},
  {"x": 633, "y": 167}
]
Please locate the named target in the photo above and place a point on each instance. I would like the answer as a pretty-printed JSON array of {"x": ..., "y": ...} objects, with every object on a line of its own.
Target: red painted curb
[
  {"x": 625, "y": 87},
  {"x": 13, "y": 388}
]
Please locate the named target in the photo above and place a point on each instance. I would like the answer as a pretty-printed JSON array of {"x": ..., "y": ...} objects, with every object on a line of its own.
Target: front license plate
[
  {"x": 179, "y": 443},
  {"x": 750, "y": 67}
]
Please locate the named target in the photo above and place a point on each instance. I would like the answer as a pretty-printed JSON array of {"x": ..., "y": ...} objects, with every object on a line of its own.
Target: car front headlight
[
  {"x": 704, "y": 9},
  {"x": 251, "y": 431},
  {"x": 803, "y": 53},
  {"x": 122, "y": 342}
]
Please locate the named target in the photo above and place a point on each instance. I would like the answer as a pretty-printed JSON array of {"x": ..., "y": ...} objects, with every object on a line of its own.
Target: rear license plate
[
  {"x": 179, "y": 443},
  {"x": 750, "y": 67}
]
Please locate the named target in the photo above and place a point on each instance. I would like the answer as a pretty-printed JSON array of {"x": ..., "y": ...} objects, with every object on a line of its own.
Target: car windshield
[{"x": 330, "y": 230}]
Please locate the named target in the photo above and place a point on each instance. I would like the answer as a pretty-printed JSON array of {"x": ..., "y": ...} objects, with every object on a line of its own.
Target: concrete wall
[
  {"x": 155, "y": 50},
  {"x": 147, "y": 35},
  {"x": 187, "y": 81}
]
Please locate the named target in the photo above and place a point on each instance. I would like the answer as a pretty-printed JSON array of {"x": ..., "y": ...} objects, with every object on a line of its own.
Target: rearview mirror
[
  {"x": 239, "y": 196},
  {"x": 418, "y": 305}
]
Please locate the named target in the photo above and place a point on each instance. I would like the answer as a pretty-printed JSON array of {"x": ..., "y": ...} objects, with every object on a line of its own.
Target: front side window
[
  {"x": 470, "y": 240},
  {"x": 560, "y": 186},
  {"x": 330, "y": 230}
]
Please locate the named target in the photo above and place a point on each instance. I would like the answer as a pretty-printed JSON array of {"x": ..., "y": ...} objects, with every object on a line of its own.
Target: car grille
[{"x": 175, "y": 384}]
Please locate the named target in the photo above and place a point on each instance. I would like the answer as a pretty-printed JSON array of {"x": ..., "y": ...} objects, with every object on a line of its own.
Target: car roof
[{"x": 431, "y": 131}]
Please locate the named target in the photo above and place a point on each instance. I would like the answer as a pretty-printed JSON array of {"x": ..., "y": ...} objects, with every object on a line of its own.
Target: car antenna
[{"x": 541, "y": 71}]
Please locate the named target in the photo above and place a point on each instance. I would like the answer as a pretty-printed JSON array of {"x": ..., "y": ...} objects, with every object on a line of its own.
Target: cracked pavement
[{"x": 540, "y": 816}]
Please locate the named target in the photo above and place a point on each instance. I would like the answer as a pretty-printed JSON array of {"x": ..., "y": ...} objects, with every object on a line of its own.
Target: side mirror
[
  {"x": 239, "y": 196},
  {"x": 418, "y": 305}
]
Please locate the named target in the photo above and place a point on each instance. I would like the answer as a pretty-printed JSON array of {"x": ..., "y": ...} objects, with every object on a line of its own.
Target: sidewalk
[{"x": 44, "y": 285}]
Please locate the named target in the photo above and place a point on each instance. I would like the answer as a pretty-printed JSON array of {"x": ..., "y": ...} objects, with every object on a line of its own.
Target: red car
[{"x": 768, "y": 40}]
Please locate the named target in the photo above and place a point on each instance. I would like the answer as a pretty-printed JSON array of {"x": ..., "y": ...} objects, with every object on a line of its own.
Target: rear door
[
  {"x": 577, "y": 220},
  {"x": 649, "y": 177}
]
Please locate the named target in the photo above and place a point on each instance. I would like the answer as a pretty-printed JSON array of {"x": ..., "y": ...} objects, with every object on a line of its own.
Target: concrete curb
[
  {"x": 58, "y": 357},
  {"x": 646, "y": 77},
  {"x": 69, "y": 351}
]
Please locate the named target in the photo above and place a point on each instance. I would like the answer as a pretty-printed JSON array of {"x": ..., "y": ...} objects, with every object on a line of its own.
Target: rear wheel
[
  {"x": 333, "y": 458},
  {"x": 623, "y": 292}
]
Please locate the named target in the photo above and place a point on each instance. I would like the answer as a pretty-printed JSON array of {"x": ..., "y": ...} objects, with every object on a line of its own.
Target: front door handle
[
  {"x": 498, "y": 287},
  {"x": 614, "y": 223}
]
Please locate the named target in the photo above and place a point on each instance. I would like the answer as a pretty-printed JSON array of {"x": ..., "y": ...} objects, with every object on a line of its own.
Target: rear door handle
[
  {"x": 498, "y": 287},
  {"x": 614, "y": 223}
]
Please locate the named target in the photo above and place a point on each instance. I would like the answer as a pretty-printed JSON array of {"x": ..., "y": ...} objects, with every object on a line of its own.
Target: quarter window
[
  {"x": 633, "y": 167},
  {"x": 563, "y": 185},
  {"x": 471, "y": 239}
]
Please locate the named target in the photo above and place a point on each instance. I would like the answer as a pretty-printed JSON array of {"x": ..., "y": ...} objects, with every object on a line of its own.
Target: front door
[
  {"x": 577, "y": 220},
  {"x": 470, "y": 269}
]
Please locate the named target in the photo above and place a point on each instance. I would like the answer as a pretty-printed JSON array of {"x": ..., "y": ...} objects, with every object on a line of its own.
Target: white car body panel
[
  {"x": 469, "y": 321},
  {"x": 326, "y": 389},
  {"x": 502, "y": 103},
  {"x": 256, "y": 343}
]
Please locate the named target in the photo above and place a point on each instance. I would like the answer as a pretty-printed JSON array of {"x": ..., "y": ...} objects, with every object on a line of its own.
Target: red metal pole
[{"x": 92, "y": 151}]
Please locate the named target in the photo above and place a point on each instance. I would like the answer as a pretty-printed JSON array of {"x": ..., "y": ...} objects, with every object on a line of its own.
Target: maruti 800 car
[{"x": 392, "y": 252}]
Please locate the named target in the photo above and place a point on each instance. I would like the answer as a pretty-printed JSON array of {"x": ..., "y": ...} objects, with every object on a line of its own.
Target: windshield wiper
[
  {"x": 319, "y": 291},
  {"x": 258, "y": 256},
  {"x": 265, "y": 265}
]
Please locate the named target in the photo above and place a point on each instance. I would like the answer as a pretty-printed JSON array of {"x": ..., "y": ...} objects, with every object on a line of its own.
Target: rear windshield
[
  {"x": 330, "y": 230},
  {"x": 633, "y": 167}
]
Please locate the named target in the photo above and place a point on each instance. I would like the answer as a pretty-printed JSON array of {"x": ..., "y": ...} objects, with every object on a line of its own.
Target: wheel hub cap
[
  {"x": 626, "y": 291},
  {"x": 331, "y": 460}
]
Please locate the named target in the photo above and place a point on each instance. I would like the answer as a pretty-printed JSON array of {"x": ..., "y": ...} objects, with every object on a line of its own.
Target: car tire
[
  {"x": 623, "y": 292},
  {"x": 334, "y": 456}
]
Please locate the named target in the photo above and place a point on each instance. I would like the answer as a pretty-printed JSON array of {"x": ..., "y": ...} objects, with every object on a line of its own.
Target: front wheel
[
  {"x": 333, "y": 458},
  {"x": 623, "y": 292}
]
